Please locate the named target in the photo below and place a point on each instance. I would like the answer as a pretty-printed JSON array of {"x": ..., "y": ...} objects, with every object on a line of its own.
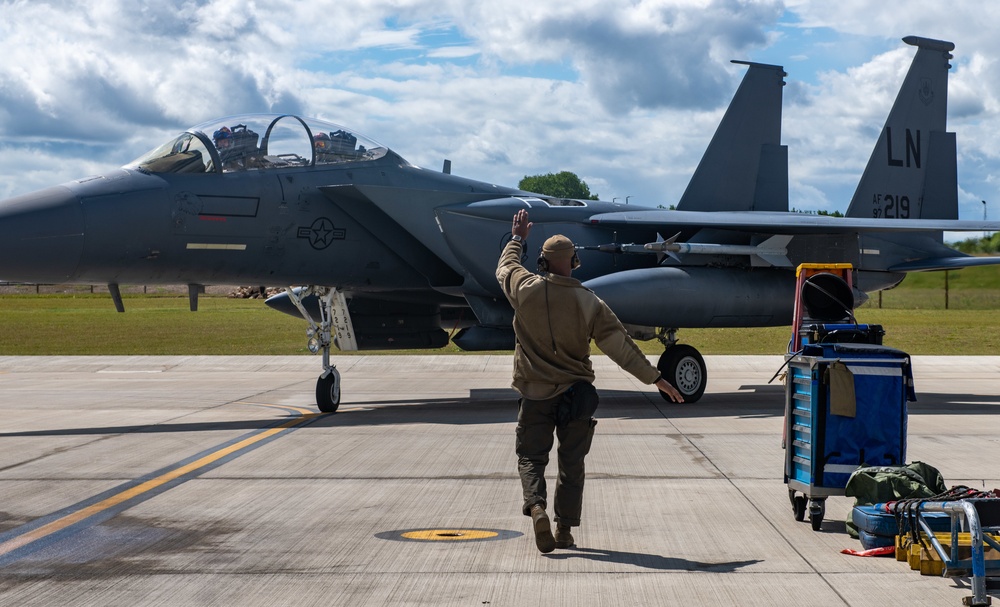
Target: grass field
[
  {"x": 913, "y": 316},
  {"x": 967, "y": 289},
  {"x": 89, "y": 324}
]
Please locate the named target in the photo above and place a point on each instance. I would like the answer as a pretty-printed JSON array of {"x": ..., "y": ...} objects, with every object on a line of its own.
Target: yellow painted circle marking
[
  {"x": 447, "y": 535},
  {"x": 441, "y": 535}
]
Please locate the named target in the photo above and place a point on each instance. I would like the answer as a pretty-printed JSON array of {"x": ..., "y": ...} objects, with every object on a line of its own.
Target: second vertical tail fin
[
  {"x": 912, "y": 171},
  {"x": 745, "y": 167}
]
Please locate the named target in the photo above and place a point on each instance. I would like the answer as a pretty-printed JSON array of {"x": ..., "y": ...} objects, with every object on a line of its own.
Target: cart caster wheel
[
  {"x": 799, "y": 507},
  {"x": 817, "y": 508}
]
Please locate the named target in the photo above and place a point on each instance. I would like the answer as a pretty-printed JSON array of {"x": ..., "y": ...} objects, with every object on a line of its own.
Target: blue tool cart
[{"x": 845, "y": 406}]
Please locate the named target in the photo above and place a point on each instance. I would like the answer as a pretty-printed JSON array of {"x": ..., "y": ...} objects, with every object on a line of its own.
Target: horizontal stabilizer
[
  {"x": 667, "y": 222},
  {"x": 945, "y": 263}
]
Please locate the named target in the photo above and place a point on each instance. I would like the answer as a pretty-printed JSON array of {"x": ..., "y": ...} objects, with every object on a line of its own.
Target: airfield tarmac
[{"x": 150, "y": 480}]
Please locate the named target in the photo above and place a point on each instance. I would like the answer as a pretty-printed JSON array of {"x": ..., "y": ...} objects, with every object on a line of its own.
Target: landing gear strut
[
  {"x": 682, "y": 366},
  {"x": 333, "y": 316}
]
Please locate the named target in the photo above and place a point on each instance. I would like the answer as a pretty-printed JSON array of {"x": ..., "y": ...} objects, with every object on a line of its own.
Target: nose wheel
[{"x": 328, "y": 391}]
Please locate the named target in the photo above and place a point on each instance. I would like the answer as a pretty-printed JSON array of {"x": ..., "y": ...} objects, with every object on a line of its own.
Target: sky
[{"x": 624, "y": 93}]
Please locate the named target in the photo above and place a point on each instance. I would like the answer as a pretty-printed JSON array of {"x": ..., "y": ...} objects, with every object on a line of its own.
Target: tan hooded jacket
[{"x": 555, "y": 317}]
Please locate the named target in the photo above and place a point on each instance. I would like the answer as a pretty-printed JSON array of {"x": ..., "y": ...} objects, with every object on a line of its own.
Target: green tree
[
  {"x": 826, "y": 213},
  {"x": 987, "y": 244},
  {"x": 560, "y": 185}
]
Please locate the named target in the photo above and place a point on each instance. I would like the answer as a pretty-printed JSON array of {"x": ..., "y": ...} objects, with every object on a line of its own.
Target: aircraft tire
[
  {"x": 328, "y": 392},
  {"x": 684, "y": 368}
]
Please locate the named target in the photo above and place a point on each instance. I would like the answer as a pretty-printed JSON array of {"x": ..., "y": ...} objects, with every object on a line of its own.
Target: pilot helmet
[
  {"x": 222, "y": 137},
  {"x": 320, "y": 141}
]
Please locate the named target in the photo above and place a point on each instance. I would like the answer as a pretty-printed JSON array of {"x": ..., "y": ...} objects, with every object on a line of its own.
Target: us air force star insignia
[{"x": 322, "y": 233}]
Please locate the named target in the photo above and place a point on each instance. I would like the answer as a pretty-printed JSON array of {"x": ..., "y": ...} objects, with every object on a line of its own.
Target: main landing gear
[
  {"x": 334, "y": 317},
  {"x": 682, "y": 366}
]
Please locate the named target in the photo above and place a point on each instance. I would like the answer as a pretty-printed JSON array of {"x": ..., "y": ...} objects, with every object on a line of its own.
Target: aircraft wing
[{"x": 784, "y": 223}]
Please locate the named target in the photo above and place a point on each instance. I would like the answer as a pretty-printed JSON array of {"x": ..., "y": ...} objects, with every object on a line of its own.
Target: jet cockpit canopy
[{"x": 258, "y": 141}]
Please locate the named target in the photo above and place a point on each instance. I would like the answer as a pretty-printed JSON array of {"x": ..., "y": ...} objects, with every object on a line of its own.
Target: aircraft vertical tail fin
[
  {"x": 912, "y": 172},
  {"x": 745, "y": 167}
]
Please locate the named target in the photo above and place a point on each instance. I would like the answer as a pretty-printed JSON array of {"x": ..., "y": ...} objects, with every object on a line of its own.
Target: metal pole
[
  {"x": 951, "y": 558},
  {"x": 946, "y": 289}
]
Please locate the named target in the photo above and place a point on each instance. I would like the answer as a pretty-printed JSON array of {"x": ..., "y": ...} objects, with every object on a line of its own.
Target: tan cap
[{"x": 558, "y": 247}]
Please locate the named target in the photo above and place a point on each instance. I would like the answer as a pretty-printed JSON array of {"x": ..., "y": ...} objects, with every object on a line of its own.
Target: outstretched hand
[
  {"x": 672, "y": 392},
  {"x": 521, "y": 225}
]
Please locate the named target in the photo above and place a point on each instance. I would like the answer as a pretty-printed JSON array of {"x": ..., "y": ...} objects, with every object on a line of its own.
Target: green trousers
[{"x": 536, "y": 422}]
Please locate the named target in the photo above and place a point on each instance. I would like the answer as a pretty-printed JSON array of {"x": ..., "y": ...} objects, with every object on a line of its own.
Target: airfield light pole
[
  {"x": 626, "y": 199},
  {"x": 985, "y": 234},
  {"x": 615, "y": 198}
]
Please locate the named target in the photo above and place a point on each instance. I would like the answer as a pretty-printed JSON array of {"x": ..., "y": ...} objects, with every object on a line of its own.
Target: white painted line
[{"x": 206, "y": 246}]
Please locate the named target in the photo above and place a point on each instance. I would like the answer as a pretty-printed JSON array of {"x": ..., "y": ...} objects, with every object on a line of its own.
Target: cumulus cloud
[
  {"x": 112, "y": 67},
  {"x": 646, "y": 54}
]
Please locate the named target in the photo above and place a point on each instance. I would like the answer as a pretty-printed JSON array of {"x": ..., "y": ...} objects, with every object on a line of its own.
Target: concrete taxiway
[{"x": 213, "y": 481}]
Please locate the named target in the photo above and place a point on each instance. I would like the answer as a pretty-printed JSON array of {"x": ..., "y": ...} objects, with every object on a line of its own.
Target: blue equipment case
[
  {"x": 875, "y": 521},
  {"x": 822, "y": 449}
]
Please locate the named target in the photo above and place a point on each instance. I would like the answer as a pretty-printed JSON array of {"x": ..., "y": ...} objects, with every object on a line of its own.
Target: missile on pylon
[{"x": 771, "y": 252}]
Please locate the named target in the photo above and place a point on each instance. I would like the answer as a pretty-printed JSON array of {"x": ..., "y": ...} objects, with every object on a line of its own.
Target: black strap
[{"x": 548, "y": 314}]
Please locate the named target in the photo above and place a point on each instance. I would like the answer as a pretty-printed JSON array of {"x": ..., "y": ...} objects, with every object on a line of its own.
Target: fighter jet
[{"x": 391, "y": 254}]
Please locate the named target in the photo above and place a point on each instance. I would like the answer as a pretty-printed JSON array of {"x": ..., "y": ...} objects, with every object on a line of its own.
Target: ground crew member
[{"x": 555, "y": 317}]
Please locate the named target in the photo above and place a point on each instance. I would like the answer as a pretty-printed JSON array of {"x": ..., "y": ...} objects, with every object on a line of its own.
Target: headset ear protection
[{"x": 543, "y": 264}]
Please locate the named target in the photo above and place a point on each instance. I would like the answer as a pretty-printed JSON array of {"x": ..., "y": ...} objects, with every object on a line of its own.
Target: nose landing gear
[{"x": 333, "y": 317}]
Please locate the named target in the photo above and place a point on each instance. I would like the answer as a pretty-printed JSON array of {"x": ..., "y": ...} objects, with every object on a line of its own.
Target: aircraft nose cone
[{"x": 41, "y": 236}]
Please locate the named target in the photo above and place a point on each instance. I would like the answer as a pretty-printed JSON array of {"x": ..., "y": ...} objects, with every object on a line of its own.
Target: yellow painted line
[
  {"x": 115, "y": 500},
  {"x": 446, "y": 535}
]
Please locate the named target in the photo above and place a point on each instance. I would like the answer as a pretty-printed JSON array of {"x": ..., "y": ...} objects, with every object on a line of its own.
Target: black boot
[
  {"x": 543, "y": 529},
  {"x": 564, "y": 539}
]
